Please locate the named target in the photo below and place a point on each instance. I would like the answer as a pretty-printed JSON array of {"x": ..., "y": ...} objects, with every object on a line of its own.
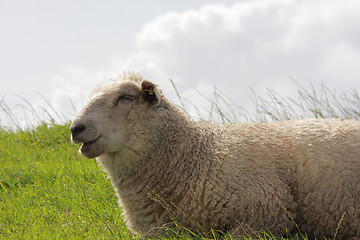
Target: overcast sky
[{"x": 61, "y": 50}]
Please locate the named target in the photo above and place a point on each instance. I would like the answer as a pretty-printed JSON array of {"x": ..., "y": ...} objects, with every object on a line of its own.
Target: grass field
[{"x": 49, "y": 191}]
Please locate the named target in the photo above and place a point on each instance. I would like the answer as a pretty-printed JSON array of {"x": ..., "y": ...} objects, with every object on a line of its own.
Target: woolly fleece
[{"x": 236, "y": 178}]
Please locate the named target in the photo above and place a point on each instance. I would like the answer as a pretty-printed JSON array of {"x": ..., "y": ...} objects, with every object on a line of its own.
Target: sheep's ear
[{"x": 150, "y": 92}]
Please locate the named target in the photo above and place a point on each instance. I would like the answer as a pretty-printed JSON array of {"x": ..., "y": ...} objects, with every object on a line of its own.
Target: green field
[{"x": 49, "y": 191}]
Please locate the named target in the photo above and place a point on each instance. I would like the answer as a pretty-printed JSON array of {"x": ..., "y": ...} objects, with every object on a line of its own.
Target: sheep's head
[{"x": 101, "y": 126}]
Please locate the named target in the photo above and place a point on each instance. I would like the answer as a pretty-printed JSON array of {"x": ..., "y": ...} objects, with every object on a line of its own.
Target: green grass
[{"x": 49, "y": 191}]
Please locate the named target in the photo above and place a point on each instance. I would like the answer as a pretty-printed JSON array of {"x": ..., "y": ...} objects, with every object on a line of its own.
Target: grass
[
  {"x": 48, "y": 191},
  {"x": 322, "y": 103}
]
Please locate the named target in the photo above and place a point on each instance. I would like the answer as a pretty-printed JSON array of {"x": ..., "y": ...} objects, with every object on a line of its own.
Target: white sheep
[{"x": 237, "y": 178}]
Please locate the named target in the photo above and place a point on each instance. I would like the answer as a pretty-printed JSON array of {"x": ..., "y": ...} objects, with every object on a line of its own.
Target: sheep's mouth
[{"x": 86, "y": 146}]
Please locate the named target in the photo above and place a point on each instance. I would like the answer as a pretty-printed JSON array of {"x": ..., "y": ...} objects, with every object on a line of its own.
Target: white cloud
[{"x": 257, "y": 43}]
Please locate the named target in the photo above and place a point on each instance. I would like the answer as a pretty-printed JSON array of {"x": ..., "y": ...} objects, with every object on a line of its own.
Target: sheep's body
[{"x": 239, "y": 178}]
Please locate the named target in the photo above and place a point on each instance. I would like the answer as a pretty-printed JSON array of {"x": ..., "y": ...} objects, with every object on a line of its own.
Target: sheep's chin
[{"x": 92, "y": 149}]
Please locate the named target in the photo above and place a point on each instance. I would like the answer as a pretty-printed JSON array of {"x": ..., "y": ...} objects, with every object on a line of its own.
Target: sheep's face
[{"x": 101, "y": 126}]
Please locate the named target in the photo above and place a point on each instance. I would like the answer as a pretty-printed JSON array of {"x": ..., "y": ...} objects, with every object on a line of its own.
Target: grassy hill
[{"x": 49, "y": 191}]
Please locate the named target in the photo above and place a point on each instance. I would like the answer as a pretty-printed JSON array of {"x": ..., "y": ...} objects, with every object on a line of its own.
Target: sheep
[{"x": 240, "y": 179}]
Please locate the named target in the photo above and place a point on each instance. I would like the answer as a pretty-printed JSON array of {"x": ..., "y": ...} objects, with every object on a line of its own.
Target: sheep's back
[{"x": 326, "y": 156}]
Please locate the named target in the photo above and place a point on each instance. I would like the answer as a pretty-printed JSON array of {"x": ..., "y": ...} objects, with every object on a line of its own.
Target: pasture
[{"x": 49, "y": 191}]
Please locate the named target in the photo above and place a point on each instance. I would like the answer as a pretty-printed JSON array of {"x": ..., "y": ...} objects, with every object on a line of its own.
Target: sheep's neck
[{"x": 151, "y": 186}]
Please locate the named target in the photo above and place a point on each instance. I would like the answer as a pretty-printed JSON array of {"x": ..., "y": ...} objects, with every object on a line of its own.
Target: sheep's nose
[{"x": 78, "y": 128}]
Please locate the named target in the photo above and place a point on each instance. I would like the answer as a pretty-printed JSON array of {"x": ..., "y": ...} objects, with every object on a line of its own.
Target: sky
[{"x": 53, "y": 54}]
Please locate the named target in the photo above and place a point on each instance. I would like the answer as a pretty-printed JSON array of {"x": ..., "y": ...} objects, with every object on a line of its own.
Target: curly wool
[{"x": 241, "y": 178}]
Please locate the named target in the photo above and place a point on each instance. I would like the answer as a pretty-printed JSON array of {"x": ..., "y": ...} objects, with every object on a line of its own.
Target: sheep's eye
[{"x": 125, "y": 97}]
